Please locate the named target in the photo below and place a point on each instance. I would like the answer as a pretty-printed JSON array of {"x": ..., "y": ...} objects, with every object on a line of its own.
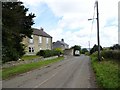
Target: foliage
[
  {"x": 58, "y": 51},
  {"x": 12, "y": 71},
  {"x": 87, "y": 53},
  {"x": 115, "y": 47},
  {"x": 15, "y": 26},
  {"x": 49, "y": 53},
  {"x": 95, "y": 48},
  {"x": 107, "y": 73},
  {"x": 76, "y": 47},
  {"x": 84, "y": 50},
  {"x": 111, "y": 54}
]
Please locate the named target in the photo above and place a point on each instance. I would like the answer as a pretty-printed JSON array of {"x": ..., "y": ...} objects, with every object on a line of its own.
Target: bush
[
  {"x": 9, "y": 54},
  {"x": 111, "y": 54},
  {"x": 49, "y": 53},
  {"x": 58, "y": 51}
]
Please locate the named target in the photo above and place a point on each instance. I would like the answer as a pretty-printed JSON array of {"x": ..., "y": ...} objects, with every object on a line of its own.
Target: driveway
[{"x": 72, "y": 72}]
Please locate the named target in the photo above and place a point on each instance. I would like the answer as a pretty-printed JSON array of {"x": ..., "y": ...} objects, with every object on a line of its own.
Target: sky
[{"x": 68, "y": 19}]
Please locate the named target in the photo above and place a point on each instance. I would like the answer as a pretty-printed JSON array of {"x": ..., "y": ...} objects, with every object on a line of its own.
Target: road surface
[{"x": 73, "y": 72}]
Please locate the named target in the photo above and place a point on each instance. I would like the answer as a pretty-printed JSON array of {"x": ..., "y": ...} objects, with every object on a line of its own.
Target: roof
[
  {"x": 40, "y": 32},
  {"x": 61, "y": 42}
]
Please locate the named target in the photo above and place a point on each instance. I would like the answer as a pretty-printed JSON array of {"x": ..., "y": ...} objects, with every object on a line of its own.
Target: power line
[
  {"x": 98, "y": 38},
  {"x": 92, "y": 23}
]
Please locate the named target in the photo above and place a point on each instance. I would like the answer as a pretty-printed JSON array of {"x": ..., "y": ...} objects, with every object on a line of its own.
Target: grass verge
[
  {"x": 29, "y": 57},
  {"x": 15, "y": 70},
  {"x": 107, "y": 73}
]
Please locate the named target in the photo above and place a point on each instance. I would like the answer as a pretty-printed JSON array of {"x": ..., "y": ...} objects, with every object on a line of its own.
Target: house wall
[
  {"x": 36, "y": 45},
  {"x": 68, "y": 51}
]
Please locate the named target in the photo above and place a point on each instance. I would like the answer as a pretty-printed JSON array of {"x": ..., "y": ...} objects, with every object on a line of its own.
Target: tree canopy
[
  {"x": 95, "y": 48},
  {"x": 16, "y": 25},
  {"x": 76, "y": 47},
  {"x": 84, "y": 50},
  {"x": 115, "y": 47}
]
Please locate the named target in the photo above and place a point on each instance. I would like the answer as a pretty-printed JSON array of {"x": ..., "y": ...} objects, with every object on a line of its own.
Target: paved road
[{"x": 73, "y": 72}]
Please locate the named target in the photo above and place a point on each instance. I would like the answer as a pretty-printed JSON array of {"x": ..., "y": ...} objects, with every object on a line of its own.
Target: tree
[
  {"x": 115, "y": 47},
  {"x": 58, "y": 51},
  {"x": 95, "y": 48},
  {"x": 84, "y": 50},
  {"x": 15, "y": 26},
  {"x": 76, "y": 47}
]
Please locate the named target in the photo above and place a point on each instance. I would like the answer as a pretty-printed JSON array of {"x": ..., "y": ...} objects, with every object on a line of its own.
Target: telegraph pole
[
  {"x": 89, "y": 45},
  {"x": 98, "y": 38},
  {"x": 98, "y": 30}
]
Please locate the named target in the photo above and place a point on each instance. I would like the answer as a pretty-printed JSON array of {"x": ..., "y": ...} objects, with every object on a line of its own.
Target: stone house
[
  {"x": 60, "y": 44},
  {"x": 40, "y": 41}
]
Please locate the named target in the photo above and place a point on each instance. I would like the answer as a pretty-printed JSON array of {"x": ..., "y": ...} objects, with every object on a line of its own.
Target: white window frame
[
  {"x": 40, "y": 39},
  {"x": 31, "y": 40},
  {"x": 47, "y": 40},
  {"x": 31, "y": 50}
]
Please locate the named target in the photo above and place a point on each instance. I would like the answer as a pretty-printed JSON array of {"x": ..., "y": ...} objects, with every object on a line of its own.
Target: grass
[
  {"x": 12, "y": 71},
  {"x": 29, "y": 57},
  {"x": 107, "y": 73}
]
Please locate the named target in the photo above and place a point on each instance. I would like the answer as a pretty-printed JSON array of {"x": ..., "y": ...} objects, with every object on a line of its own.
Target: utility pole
[
  {"x": 98, "y": 38},
  {"x": 98, "y": 30},
  {"x": 89, "y": 45}
]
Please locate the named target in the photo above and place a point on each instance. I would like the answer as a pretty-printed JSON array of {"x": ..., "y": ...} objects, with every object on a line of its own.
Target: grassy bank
[
  {"x": 29, "y": 57},
  {"x": 12, "y": 71},
  {"x": 107, "y": 72}
]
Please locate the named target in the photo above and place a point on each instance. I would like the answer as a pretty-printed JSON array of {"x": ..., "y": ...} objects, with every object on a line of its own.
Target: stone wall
[
  {"x": 68, "y": 52},
  {"x": 19, "y": 62}
]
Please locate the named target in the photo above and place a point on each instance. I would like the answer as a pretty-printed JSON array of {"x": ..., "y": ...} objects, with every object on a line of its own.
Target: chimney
[
  {"x": 62, "y": 40},
  {"x": 41, "y": 29}
]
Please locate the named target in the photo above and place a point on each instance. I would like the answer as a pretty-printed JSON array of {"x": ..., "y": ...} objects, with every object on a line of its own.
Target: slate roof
[
  {"x": 61, "y": 42},
  {"x": 40, "y": 32}
]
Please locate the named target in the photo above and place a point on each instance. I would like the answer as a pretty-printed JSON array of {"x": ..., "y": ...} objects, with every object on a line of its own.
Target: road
[{"x": 73, "y": 72}]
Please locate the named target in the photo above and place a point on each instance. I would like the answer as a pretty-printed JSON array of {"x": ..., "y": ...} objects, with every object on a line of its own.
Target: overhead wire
[{"x": 92, "y": 22}]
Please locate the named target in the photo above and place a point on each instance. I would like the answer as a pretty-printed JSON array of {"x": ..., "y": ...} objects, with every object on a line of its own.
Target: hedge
[
  {"x": 49, "y": 53},
  {"x": 111, "y": 54}
]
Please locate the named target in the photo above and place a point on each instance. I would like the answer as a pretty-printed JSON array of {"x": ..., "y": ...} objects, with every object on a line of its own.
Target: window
[
  {"x": 47, "y": 40},
  {"x": 31, "y": 40},
  {"x": 31, "y": 49},
  {"x": 40, "y": 39},
  {"x": 47, "y": 46}
]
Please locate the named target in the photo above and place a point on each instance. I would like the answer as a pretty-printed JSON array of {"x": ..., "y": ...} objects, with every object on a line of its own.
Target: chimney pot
[
  {"x": 62, "y": 40},
  {"x": 41, "y": 29}
]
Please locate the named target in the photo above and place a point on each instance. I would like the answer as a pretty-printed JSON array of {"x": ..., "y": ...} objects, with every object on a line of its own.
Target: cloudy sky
[{"x": 68, "y": 19}]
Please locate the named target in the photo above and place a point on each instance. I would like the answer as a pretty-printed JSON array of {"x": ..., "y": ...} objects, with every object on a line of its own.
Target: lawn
[
  {"x": 107, "y": 72},
  {"x": 15, "y": 70},
  {"x": 29, "y": 57}
]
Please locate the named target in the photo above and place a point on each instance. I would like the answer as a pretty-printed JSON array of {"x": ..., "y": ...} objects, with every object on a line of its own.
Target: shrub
[
  {"x": 58, "y": 51},
  {"x": 9, "y": 54},
  {"x": 111, "y": 54},
  {"x": 49, "y": 53}
]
